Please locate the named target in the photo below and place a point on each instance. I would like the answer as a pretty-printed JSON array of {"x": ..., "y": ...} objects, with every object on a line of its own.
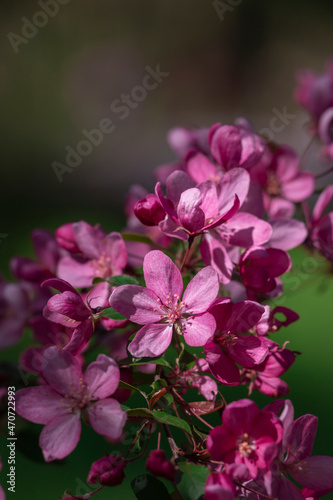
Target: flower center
[
  {"x": 273, "y": 185},
  {"x": 172, "y": 309},
  {"x": 78, "y": 397},
  {"x": 103, "y": 266},
  {"x": 226, "y": 339},
  {"x": 246, "y": 445}
]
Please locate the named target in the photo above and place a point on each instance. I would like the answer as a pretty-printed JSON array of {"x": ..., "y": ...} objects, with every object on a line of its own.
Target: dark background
[{"x": 66, "y": 77}]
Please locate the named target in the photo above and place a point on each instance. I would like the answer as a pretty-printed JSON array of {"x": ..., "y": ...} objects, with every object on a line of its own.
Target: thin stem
[
  {"x": 327, "y": 171},
  {"x": 190, "y": 241},
  {"x": 136, "y": 438},
  {"x": 159, "y": 437},
  {"x": 254, "y": 491},
  {"x": 183, "y": 402}
]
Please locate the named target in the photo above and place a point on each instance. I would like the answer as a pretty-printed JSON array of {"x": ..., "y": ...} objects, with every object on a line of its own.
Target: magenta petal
[
  {"x": 240, "y": 415},
  {"x": 299, "y": 188},
  {"x": 79, "y": 274},
  {"x": 102, "y": 377},
  {"x": 197, "y": 330},
  {"x": 88, "y": 239},
  {"x": 200, "y": 168},
  {"x": 247, "y": 351},
  {"x": 107, "y": 418},
  {"x": 79, "y": 338},
  {"x": 287, "y": 233},
  {"x": 189, "y": 212},
  {"x": 114, "y": 247},
  {"x": 209, "y": 203},
  {"x": 60, "y": 285},
  {"x": 323, "y": 200},
  {"x": 315, "y": 473},
  {"x": 69, "y": 305},
  {"x": 221, "y": 366},
  {"x": 151, "y": 340},
  {"x": 302, "y": 437},
  {"x": 226, "y": 146},
  {"x": 201, "y": 291},
  {"x": 137, "y": 303},
  {"x": 40, "y": 404},
  {"x": 236, "y": 181},
  {"x": 60, "y": 437},
  {"x": 162, "y": 275},
  {"x": 289, "y": 491},
  {"x": 237, "y": 318},
  {"x": 62, "y": 371},
  {"x": 46, "y": 248},
  {"x": 245, "y": 230},
  {"x": 176, "y": 184},
  {"x": 221, "y": 442},
  {"x": 221, "y": 219},
  {"x": 213, "y": 253}
]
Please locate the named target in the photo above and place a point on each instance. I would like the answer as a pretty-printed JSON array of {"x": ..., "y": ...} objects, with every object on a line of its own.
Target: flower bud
[
  {"x": 149, "y": 211},
  {"x": 158, "y": 465},
  {"x": 108, "y": 471},
  {"x": 66, "y": 239}
]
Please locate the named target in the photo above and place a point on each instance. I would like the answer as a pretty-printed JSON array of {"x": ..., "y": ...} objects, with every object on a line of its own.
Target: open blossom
[
  {"x": 282, "y": 181},
  {"x": 247, "y": 437},
  {"x": 101, "y": 255},
  {"x": 66, "y": 395},
  {"x": 219, "y": 486},
  {"x": 160, "y": 308},
  {"x": 230, "y": 345},
  {"x": 48, "y": 254},
  {"x": 191, "y": 208}
]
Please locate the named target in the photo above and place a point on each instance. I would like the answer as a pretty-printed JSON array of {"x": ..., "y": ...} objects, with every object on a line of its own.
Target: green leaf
[
  {"x": 193, "y": 480},
  {"x": 123, "y": 279},
  {"x": 148, "y": 487},
  {"x": 109, "y": 312},
  {"x": 166, "y": 418},
  {"x": 140, "y": 412},
  {"x": 158, "y": 361},
  {"x": 124, "y": 385}
]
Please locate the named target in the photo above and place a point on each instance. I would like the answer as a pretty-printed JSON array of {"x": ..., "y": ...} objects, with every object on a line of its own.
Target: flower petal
[
  {"x": 197, "y": 330},
  {"x": 60, "y": 437},
  {"x": 102, "y": 376},
  {"x": 151, "y": 340},
  {"x": 107, "y": 418},
  {"x": 162, "y": 276},
  {"x": 201, "y": 291}
]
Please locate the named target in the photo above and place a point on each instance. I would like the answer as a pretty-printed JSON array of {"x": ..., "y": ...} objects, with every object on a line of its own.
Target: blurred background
[{"x": 68, "y": 71}]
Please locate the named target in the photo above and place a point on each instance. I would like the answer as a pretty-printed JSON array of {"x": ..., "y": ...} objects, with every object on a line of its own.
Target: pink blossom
[
  {"x": 66, "y": 394},
  {"x": 247, "y": 437},
  {"x": 259, "y": 268},
  {"x": 282, "y": 181},
  {"x": 230, "y": 345},
  {"x": 232, "y": 146},
  {"x": 219, "y": 486},
  {"x": 159, "y": 306},
  {"x": 315, "y": 92},
  {"x": 14, "y": 312},
  {"x": 191, "y": 209},
  {"x": 195, "y": 377},
  {"x": 48, "y": 254},
  {"x": 101, "y": 256}
]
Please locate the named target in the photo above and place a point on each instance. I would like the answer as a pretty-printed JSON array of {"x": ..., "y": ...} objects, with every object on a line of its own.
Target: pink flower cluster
[{"x": 181, "y": 301}]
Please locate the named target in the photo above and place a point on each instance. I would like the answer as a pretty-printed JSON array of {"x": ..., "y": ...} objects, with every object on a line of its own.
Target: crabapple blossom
[
  {"x": 68, "y": 393},
  {"x": 160, "y": 308}
]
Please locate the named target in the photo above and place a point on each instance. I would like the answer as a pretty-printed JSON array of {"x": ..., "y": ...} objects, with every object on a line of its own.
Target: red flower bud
[
  {"x": 159, "y": 465},
  {"x": 149, "y": 211},
  {"x": 108, "y": 471}
]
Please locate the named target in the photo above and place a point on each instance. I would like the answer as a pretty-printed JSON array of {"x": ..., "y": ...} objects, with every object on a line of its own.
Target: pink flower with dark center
[
  {"x": 247, "y": 437},
  {"x": 230, "y": 345},
  {"x": 282, "y": 181},
  {"x": 66, "y": 395},
  {"x": 101, "y": 256},
  {"x": 160, "y": 308}
]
